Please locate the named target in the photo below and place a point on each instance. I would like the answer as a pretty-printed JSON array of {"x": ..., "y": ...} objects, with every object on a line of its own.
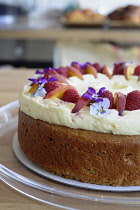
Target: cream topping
[{"x": 58, "y": 112}]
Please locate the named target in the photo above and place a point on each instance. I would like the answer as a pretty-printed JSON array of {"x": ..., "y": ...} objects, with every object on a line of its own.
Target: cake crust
[{"x": 87, "y": 156}]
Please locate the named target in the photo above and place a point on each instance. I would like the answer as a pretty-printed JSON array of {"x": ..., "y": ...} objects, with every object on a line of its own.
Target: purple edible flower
[
  {"x": 39, "y": 72},
  {"x": 83, "y": 66},
  {"x": 124, "y": 63},
  {"x": 75, "y": 62},
  {"x": 92, "y": 95},
  {"x": 42, "y": 80},
  {"x": 100, "y": 108},
  {"x": 47, "y": 69}
]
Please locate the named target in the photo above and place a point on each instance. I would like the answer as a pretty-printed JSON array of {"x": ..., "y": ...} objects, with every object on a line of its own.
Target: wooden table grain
[{"x": 11, "y": 82}]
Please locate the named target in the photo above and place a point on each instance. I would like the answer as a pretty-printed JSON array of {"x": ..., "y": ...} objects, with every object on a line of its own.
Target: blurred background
[{"x": 43, "y": 33}]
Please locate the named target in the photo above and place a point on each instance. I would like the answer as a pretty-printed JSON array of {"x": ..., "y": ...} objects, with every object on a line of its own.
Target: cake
[{"x": 82, "y": 122}]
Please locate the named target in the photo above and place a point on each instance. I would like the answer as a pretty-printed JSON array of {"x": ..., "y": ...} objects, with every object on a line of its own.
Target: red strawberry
[
  {"x": 49, "y": 86},
  {"x": 133, "y": 100},
  {"x": 98, "y": 67},
  {"x": 118, "y": 68},
  {"x": 50, "y": 73},
  {"x": 64, "y": 71},
  {"x": 137, "y": 70},
  {"x": 53, "y": 73},
  {"x": 109, "y": 95},
  {"x": 71, "y": 95}
]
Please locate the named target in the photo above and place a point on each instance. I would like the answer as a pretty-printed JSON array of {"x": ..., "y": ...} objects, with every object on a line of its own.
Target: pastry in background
[
  {"x": 84, "y": 16},
  {"x": 128, "y": 14}
]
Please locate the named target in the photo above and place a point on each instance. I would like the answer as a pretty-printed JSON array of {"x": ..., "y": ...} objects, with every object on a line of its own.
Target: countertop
[{"x": 11, "y": 82}]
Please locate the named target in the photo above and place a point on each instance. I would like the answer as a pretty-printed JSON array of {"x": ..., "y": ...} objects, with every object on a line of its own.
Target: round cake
[{"x": 82, "y": 122}]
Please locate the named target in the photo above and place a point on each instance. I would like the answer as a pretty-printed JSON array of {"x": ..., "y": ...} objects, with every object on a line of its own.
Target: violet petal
[
  {"x": 101, "y": 90},
  {"x": 39, "y": 72},
  {"x": 52, "y": 79},
  {"x": 85, "y": 95},
  {"x": 33, "y": 80},
  {"x": 91, "y": 90}
]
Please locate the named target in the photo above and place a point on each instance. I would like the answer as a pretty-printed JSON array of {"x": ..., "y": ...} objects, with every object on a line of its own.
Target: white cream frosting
[{"x": 58, "y": 112}]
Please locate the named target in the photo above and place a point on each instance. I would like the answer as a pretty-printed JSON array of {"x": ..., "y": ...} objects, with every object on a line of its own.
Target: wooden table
[{"x": 11, "y": 82}]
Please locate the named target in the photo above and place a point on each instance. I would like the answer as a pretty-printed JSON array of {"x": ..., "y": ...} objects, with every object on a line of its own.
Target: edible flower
[
  {"x": 100, "y": 108},
  {"x": 39, "y": 72},
  {"x": 42, "y": 80},
  {"x": 48, "y": 69},
  {"x": 40, "y": 91},
  {"x": 124, "y": 63},
  {"x": 83, "y": 66},
  {"x": 92, "y": 95}
]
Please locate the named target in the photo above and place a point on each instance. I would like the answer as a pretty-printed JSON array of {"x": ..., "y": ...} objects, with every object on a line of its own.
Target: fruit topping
[
  {"x": 128, "y": 71},
  {"x": 87, "y": 97},
  {"x": 33, "y": 88},
  {"x": 72, "y": 71},
  {"x": 98, "y": 67},
  {"x": 109, "y": 95},
  {"x": 80, "y": 104},
  {"x": 63, "y": 71},
  {"x": 53, "y": 73},
  {"x": 58, "y": 92},
  {"x": 77, "y": 66},
  {"x": 49, "y": 86},
  {"x": 120, "y": 102},
  {"x": 137, "y": 70},
  {"x": 91, "y": 70},
  {"x": 133, "y": 100},
  {"x": 105, "y": 71},
  {"x": 118, "y": 68},
  {"x": 71, "y": 95}
]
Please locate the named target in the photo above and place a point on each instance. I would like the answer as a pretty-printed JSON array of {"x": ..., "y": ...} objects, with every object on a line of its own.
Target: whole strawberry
[
  {"x": 64, "y": 71},
  {"x": 137, "y": 70},
  {"x": 71, "y": 95},
  {"x": 98, "y": 67},
  {"x": 133, "y": 100},
  {"x": 109, "y": 95},
  {"x": 49, "y": 86},
  {"x": 118, "y": 68}
]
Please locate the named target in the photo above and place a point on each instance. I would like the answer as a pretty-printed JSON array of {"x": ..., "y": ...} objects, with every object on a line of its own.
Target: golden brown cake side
[{"x": 88, "y": 156}]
